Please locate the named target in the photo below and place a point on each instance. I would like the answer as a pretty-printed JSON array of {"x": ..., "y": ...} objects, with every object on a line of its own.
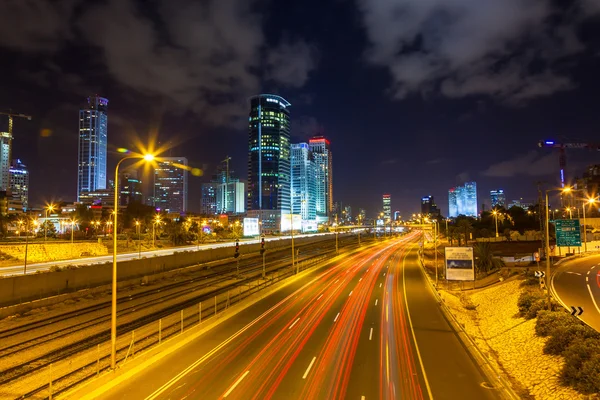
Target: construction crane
[
  {"x": 12, "y": 115},
  {"x": 562, "y": 155}
]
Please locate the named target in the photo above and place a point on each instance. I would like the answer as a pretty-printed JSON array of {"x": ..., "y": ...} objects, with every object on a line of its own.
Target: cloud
[
  {"x": 510, "y": 49},
  {"x": 304, "y": 127},
  {"x": 199, "y": 56},
  {"x": 530, "y": 164}
]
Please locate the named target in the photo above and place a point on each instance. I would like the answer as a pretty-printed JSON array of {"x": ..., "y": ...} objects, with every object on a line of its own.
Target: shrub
[
  {"x": 535, "y": 308},
  {"x": 582, "y": 365},
  {"x": 530, "y": 281},
  {"x": 563, "y": 337},
  {"x": 548, "y": 321},
  {"x": 55, "y": 268},
  {"x": 526, "y": 300}
]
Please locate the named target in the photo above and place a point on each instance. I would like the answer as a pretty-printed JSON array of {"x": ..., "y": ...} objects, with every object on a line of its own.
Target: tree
[
  {"x": 484, "y": 258},
  {"x": 465, "y": 226},
  {"x": 452, "y": 234},
  {"x": 177, "y": 234},
  {"x": 47, "y": 229}
]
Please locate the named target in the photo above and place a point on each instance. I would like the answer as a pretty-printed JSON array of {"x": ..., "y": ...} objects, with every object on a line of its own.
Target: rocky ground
[{"x": 490, "y": 317}]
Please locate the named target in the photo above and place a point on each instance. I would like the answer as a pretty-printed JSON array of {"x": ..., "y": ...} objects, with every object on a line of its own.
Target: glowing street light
[
  {"x": 496, "y": 217},
  {"x": 48, "y": 209}
]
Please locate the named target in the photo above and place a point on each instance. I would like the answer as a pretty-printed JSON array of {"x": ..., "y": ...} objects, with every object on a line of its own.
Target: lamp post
[
  {"x": 564, "y": 190},
  {"x": 435, "y": 235},
  {"x": 137, "y": 225},
  {"x": 496, "y": 218},
  {"x": 113, "y": 319},
  {"x": 50, "y": 208},
  {"x": 26, "y": 246},
  {"x": 156, "y": 221}
]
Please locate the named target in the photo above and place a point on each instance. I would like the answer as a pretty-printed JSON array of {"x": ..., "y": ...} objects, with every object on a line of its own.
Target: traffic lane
[
  {"x": 291, "y": 368},
  {"x": 151, "y": 379},
  {"x": 449, "y": 368}
]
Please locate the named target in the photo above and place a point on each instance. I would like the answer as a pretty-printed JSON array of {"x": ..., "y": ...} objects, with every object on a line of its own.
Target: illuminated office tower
[
  {"x": 269, "y": 160},
  {"x": 462, "y": 200},
  {"x": 303, "y": 193},
  {"x": 321, "y": 150},
  {"x": 208, "y": 201},
  {"x": 171, "y": 184},
  {"x": 131, "y": 188},
  {"x": 19, "y": 182},
  {"x": 387, "y": 207},
  {"x": 498, "y": 198},
  {"x": 93, "y": 131}
]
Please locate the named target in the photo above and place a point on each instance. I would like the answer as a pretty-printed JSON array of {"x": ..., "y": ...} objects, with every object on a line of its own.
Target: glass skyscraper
[
  {"x": 321, "y": 150},
  {"x": 462, "y": 200},
  {"x": 93, "y": 131},
  {"x": 269, "y": 160},
  {"x": 498, "y": 198},
  {"x": 171, "y": 184},
  {"x": 304, "y": 181},
  {"x": 19, "y": 182},
  {"x": 387, "y": 207}
]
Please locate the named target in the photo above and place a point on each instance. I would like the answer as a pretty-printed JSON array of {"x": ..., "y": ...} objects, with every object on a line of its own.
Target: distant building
[
  {"x": 397, "y": 215},
  {"x": 208, "y": 202},
  {"x": 347, "y": 214},
  {"x": 171, "y": 185},
  {"x": 304, "y": 182},
  {"x": 428, "y": 207},
  {"x": 93, "y": 139},
  {"x": 19, "y": 182},
  {"x": 498, "y": 198},
  {"x": 5, "y": 154},
  {"x": 387, "y": 207},
  {"x": 131, "y": 188},
  {"x": 462, "y": 200},
  {"x": 520, "y": 203},
  {"x": 269, "y": 160},
  {"x": 104, "y": 198},
  {"x": 230, "y": 197},
  {"x": 321, "y": 150}
]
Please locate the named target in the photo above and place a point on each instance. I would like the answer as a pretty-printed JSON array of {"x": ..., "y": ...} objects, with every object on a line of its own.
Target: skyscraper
[
  {"x": 269, "y": 160},
  {"x": 131, "y": 188},
  {"x": 230, "y": 197},
  {"x": 462, "y": 200},
  {"x": 208, "y": 202},
  {"x": 498, "y": 198},
  {"x": 93, "y": 131},
  {"x": 428, "y": 207},
  {"x": 321, "y": 150},
  {"x": 304, "y": 182},
  {"x": 171, "y": 184},
  {"x": 5, "y": 161},
  {"x": 19, "y": 182},
  {"x": 387, "y": 208}
]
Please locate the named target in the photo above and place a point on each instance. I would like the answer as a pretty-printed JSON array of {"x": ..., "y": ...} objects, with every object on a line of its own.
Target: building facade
[
  {"x": 130, "y": 188},
  {"x": 268, "y": 192},
  {"x": 304, "y": 181},
  {"x": 93, "y": 139},
  {"x": 230, "y": 198},
  {"x": 321, "y": 150},
  {"x": 387, "y": 207},
  {"x": 208, "y": 200},
  {"x": 171, "y": 184},
  {"x": 19, "y": 182},
  {"x": 462, "y": 200},
  {"x": 498, "y": 198},
  {"x": 5, "y": 161},
  {"x": 428, "y": 207}
]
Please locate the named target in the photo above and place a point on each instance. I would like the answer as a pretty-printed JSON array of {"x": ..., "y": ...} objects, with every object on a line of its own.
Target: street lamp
[
  {"x": 49, "y": 208},
  {"x": 154, "y": 223},
  {"x": 26, "y": 246},
  {"x": 137, "y": 225},
  {"x": 496, "y": 217},
  {"x": 113, "y": 319}
]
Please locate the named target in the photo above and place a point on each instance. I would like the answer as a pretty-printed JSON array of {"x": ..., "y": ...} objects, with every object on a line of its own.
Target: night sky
[{"x": 416, "y": 96}]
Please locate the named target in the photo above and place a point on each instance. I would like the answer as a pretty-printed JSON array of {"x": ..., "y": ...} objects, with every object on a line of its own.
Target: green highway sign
[{"x": 568, "y": 232}]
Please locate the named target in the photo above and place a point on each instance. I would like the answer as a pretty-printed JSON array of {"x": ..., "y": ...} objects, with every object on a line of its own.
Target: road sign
[
  {"x": 568, "y": 232},
  {"x": 577, "y": 311},
  {"x": 540, "y": 274}
]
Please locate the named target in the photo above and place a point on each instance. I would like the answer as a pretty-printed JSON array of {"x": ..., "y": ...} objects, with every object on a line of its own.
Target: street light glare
[
  {"x": 149, "y": 157},
  {"x": 567, "y": 190}
]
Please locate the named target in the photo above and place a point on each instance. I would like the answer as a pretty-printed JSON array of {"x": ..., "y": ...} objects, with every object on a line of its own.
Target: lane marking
[
  {"x": 336, "y": 317},
  {"x": 593, "y": 299},
  {"x": 295, "y": 322},
  {"x": 574, "y": 273},
  {"x": 309, "y": 367},
  {"x": 384, "y": 274},
  {"x": 371, "y": 334},
  {"x": 587, "y": 278},
  {"x": 350, "y": 293},
  {"x": 361, "y": 279},
  {"x": 368, "y": 270},
  {"x": 376, "y": 300},
  {"x": 320, "y": 296},
  {"x": 335, "y": 282},
  {"x": 380, "y": 285},
  {"x": 589, "y": 272},
  {"x": 235, "y": 384}
]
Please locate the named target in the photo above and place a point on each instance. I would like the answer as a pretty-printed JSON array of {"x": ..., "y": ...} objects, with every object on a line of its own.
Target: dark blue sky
[{"x": 416, "y": 96}]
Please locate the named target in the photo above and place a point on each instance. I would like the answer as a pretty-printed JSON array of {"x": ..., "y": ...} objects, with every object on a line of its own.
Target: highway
[
  {"x": 577, "y": 283},
  {"x": 367, "y": 327},
  {"x": 33, "y": 268}
]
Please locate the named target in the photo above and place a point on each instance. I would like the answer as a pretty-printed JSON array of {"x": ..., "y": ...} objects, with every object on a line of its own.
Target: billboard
[
  {"x": 459, "y": 264},
  {"x": 286, "y": 222},
  {"x": 251, "y": 227}
]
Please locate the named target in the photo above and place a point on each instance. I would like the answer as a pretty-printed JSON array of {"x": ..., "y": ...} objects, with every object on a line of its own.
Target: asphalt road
[
  {"x": 33, "y": 268},
  {"x": 577, "y": 283},
  {"x": 365, "y": 328}
]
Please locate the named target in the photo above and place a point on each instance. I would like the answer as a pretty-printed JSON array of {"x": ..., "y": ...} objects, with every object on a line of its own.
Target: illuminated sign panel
[
  {"x": 459, "y": 264},
  {"x": 251, "y": 227}
]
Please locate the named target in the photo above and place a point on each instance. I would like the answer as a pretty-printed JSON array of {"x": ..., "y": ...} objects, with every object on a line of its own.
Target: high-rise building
[
  {"x": 93, "y": 139},
  {"x": 171, "y": 184},
  {"x": 19, "y": 182},
  {"x": 428, "y": 207},
  {"x": 462, "y": 200},
  {"x": 321, "y": 150},
  {"x": 387, "y": 207},
  {"x": 230, "y": 197},
  {"x": 269, "y": 160},
  {"x": 498, "y": 198},
  {"x": 347, "y": 214},
  {"x": 131, "y": 188},
  {"x": 304, "y": 182},
  {"x": 208, "y": 202},
  {"x": 5, "y": 161},
  {"x": 396, "y": 215}
]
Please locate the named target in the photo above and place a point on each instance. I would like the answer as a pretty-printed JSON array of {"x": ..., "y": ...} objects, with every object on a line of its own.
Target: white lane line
[
  {"x": 593, "y": 299},
  {"x": 320, "y": 296},
  {"x": 350, "y": 293},
  {"x": 335, "y": 282},
  {"x": 227, "y": 393},
  {"x": 384, "y": 274},
  {"x": 588, "y": 272},
  {"x": 376, "y": 300},
  {"x": 309, "y": 367},
  {"x": 336, "y": 317},
  {"x": 295, "y": 322},
  {"x": 360, "y": 279},
  {"x": 380, "y": 285},
  {"x": 593, "y": 267},
  {"x": 371, "y": 334},
  {"x": 587, "y": 278},
  {"x": 180, "y": 386},
  {"x": 574, "y": 273}
]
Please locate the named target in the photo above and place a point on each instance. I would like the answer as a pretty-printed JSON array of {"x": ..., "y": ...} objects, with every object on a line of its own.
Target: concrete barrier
[{"x": 23, "y": 288}]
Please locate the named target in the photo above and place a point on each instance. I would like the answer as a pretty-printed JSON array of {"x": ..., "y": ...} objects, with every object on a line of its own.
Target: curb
[{"x": 494, "y": 376}]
